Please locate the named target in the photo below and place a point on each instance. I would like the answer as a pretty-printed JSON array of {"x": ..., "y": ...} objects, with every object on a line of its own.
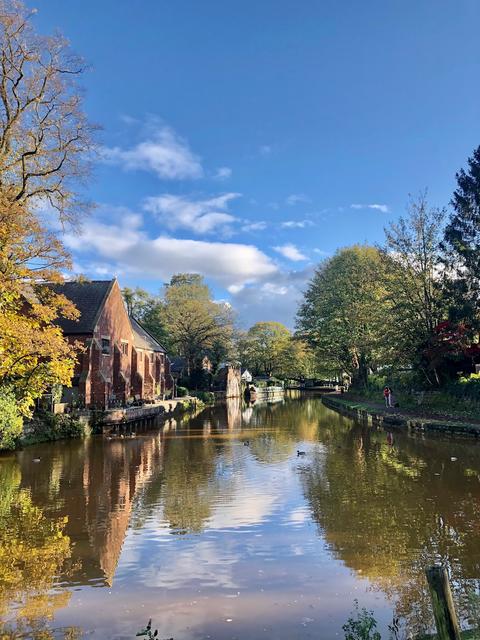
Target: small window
[
  {"x": 106, "y": 346},
  {"x": 140, "y": 355},
  {"x": 125, "y": 348}
]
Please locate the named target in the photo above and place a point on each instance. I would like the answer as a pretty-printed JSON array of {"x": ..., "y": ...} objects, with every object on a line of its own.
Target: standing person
[
  {"x": 391, "y": 398},
  {"x": 386, "y": 395}
]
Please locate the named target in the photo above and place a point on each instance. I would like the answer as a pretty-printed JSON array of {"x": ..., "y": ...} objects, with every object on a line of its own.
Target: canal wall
[{"x": 361, "y": 411}]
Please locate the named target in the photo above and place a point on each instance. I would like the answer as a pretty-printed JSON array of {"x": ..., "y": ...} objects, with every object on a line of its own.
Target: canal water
[{"x": 216, "y": 528}]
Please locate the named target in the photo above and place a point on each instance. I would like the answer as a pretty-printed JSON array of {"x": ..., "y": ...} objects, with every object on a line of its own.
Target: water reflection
[{"x": 216, "y": 518}]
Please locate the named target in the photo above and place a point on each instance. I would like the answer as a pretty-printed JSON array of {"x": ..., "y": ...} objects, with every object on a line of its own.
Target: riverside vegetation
[{"x": 406, "y": 313}]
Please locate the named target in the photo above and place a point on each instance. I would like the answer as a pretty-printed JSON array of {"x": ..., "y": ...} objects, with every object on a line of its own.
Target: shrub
[
  {"x": 467, "y": 387},
  {"x": 11, "y": 422},
  {"x": 49, "y": 426},
  {"x": 208, "y": 397},
  {"x": 182, "y": 392}
]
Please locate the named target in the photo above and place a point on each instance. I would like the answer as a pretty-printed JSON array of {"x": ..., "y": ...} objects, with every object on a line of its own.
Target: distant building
[
  {"x": 118, "y": 360},
  {"x": 246, "y": 375}
]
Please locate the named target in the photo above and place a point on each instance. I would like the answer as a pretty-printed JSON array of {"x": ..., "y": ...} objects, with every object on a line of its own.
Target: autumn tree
[
  {"x": 345, "y": 311},
  {"x": 33, "y": 550},
  {"x": 45, "y": 139},
  {"x": 34, "y": 353}
]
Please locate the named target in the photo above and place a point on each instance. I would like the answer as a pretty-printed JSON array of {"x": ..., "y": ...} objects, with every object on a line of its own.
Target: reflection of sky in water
[
  {"x": 213, "y": 538},
  {"x": 258, "y": 562}
]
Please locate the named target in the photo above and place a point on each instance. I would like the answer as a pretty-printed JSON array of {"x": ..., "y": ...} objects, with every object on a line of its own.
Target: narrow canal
[{"x": 216, "y": 528}]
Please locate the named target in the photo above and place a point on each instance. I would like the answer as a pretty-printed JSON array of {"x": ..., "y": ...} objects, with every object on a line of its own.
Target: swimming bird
[
  {"x": 246, "y": 443},
  {"x": 301, "y": 453},
  {"x": 36, "y": 460}
]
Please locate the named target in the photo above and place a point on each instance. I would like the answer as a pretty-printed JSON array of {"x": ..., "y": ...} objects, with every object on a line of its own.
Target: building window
[
  {"x": 140, "y": 355},
  {"x": 106, "y": 346},
  {"x": 124, "y": 346}
]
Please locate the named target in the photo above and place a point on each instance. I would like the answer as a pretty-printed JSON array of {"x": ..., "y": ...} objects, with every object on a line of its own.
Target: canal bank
[
  {"x": 395, "y": 417},
  {"x": 50, "y": 427}
]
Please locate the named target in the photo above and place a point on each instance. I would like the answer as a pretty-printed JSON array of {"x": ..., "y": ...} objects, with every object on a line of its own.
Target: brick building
[{"x": 118, "y": 360}]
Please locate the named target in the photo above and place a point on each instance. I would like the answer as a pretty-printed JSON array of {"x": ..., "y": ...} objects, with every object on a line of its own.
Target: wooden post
[{"x": 442, "y": 601}]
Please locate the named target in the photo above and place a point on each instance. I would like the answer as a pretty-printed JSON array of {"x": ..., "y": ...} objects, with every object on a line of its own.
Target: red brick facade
[{"x": 111, "y": 369}]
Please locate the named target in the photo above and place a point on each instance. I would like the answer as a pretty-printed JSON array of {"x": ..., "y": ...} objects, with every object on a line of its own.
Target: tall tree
[
  {"x": 413, "y": 276},
  {"x": 265, "y": 348},
  {"x": 45, "y": 141},
  {"x": 197, "y": 325},
  {"x": 462, "y": 242},
  {"x": 345, "y": 311},
  {"x": 45, "y": 138}
]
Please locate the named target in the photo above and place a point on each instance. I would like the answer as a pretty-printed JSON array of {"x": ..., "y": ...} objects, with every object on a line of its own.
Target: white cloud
[
  {"x": 163, "y": 153},
  {"x": 296, "y": 224},
  {"x": 222, "y": 173},
  {"x": 378, "y": 207},
  {"x": 127, "y": 248},
  {"x": 265, "y": 150},
  {"x": 275, "y": 298},
  {"x": 254, "y": 226},
  {"x": 290, "y": 252},
  {"x": 199, "y": 216},
  {"x": 321, "y": 252},
  {"x": 297, "y": 198}
]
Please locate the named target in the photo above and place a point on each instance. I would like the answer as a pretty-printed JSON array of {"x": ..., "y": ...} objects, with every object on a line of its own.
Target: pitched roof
[
  {"x": 88, "y": 296},
  {"x": 143, "y": 339}
]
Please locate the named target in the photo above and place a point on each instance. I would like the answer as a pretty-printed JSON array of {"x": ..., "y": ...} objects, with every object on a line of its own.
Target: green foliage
[
  {"x": 182, "y": 392},
  {"x": 268, "y": 348},
  {"x": 345, "y": 312},
  {"x": 413, "y": 258},
  {"x": 149, "y": 311},
  {"x": 11, "y": 421},
  {"x": 49, "y": 426},
  {"x": 361, "y": 625},
  {"x": 208, "y": 397},
  {"x": 197, "y": 325},
  {"x": 467, "y": 387},
  {"x": 462, "y": 241}
]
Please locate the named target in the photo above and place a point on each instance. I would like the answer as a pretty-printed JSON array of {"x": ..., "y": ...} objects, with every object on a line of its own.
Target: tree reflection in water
[
  {"x": 204, "y": 510},
  {"x": 33, "y": 550},
  {"x": 380, "y": 513}
]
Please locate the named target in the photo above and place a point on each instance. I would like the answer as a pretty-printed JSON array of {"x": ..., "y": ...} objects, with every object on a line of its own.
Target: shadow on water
[{"x": 213, "y": 526}]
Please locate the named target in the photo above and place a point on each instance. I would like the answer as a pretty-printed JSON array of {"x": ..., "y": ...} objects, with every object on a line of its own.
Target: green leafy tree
[
  {"x": 413, "y": 266},
  {"x": 197, "y": 325},
  {"x": 462, "y": 242},
  {"x": 345, "y": 312},
  {"x": 149, "y": 311},
  {"x": 265, "y": 348}
]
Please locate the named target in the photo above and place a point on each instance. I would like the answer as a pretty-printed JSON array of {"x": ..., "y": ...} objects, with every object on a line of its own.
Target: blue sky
[{"x": 248, "y": 140}]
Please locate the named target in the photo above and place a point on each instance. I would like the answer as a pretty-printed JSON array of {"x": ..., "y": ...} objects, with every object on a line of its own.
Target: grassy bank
[{"x": 418, "y": 419}]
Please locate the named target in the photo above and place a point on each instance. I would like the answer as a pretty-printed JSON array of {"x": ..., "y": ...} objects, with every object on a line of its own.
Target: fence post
[{"x": 442, "y": 601}]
